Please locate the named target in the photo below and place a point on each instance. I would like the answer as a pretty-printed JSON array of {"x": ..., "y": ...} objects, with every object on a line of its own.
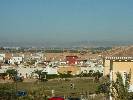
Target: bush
[
  {"x": 52, "y": 76},
  {"x": 65, "y": 75},
  {"x": 103, "y": 88},
  {"x": 12, "y": 73},
  {"x": 18, "y": 79}
]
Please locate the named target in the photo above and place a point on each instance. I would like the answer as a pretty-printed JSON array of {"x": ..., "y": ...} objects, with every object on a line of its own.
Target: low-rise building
[
  {"x": 65, "y": 69},
  {"x": 17, "y": 60},
  {"x": 50, "y": 70},
  {"x": 2, "y": 57},
  {"x": 71, "y": 60},
  {"x": 123, "y": 65}
]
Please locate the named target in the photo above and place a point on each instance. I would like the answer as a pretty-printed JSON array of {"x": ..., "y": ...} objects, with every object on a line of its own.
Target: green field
[{"x": 61, "y": 87}]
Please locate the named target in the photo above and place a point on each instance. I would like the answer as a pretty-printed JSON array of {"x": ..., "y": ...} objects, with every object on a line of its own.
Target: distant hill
[
  {"x": 67, "y": 44},
  {"x": 124, "y": 51}
]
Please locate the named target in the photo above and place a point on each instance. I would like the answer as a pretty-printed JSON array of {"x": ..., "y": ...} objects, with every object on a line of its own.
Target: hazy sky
[{"x": 66, "y": 20}]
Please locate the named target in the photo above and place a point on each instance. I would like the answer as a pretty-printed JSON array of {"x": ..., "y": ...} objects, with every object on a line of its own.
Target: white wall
[
  {"x": 94, "y": 68},
  {"x": 2, "y": 56},
  {"x": 50, "y": 70},
  {"x": 16, "y": 59}
]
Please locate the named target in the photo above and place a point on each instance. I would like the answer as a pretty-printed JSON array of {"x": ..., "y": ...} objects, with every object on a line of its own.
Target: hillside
[{"x": 124, "y": 51}]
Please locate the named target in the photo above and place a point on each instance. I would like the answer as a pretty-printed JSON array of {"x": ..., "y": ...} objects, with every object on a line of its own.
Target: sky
[{"x": 66, "y": 20}]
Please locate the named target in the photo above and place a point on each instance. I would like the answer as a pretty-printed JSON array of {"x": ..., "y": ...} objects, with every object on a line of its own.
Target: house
[
  {"x": 37, "y": 56},
  {"x": 81, "y": 61},
  {"x": 92, "y": 67},
  {"x": 2, "y": 57},
  {"x": 25, "y": 72},
  {"x": 17, "y": 60},
  {"x": 8, "y": 56},
  {"x": 71, "y": 60},
  {"x": 50, "y": 70},
  {"x": 62, "y": 63},
  {"x": 65, "y": 69}
]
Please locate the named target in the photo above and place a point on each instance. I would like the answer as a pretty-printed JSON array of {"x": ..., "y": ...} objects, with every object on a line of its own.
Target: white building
[
  {"x": 37, "y": 56},
  {"x": 17, "y": 60},
  {"x": 50, "y": 70},
  {"x": 2, "y": 57},
  {"x": 29, "y": 72},
  {"x": 25, "y": 72},
  {"x": 92, "y": 65}
]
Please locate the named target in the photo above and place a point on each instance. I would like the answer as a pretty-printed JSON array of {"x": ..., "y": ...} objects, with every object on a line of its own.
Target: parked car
[{"x": 21, "y": 93}]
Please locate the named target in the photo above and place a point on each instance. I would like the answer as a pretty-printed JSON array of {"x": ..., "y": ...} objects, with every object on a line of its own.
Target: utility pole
[{"x": 111, "y": 79}]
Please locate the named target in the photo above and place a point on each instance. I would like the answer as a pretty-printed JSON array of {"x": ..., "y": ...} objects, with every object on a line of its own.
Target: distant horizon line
[{"x": 100, "y": 43}]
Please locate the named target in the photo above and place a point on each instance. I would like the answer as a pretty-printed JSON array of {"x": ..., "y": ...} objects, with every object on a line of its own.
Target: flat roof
[{"x": 119, "y": 58}]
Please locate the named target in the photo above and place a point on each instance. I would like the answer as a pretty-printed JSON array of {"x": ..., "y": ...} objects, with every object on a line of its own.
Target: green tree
[
  {"x": 65, "y": 75},
  {"x": 2, "y": 75},
  {"x": 42, "y": 75},
  {"x": 38, "y": 72},
  {"x": 12, "y": 73},
  {"x": 120, "y": 87},
  {"x": 97, "y": 75},
  {"x": 91, "y": 73}
]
